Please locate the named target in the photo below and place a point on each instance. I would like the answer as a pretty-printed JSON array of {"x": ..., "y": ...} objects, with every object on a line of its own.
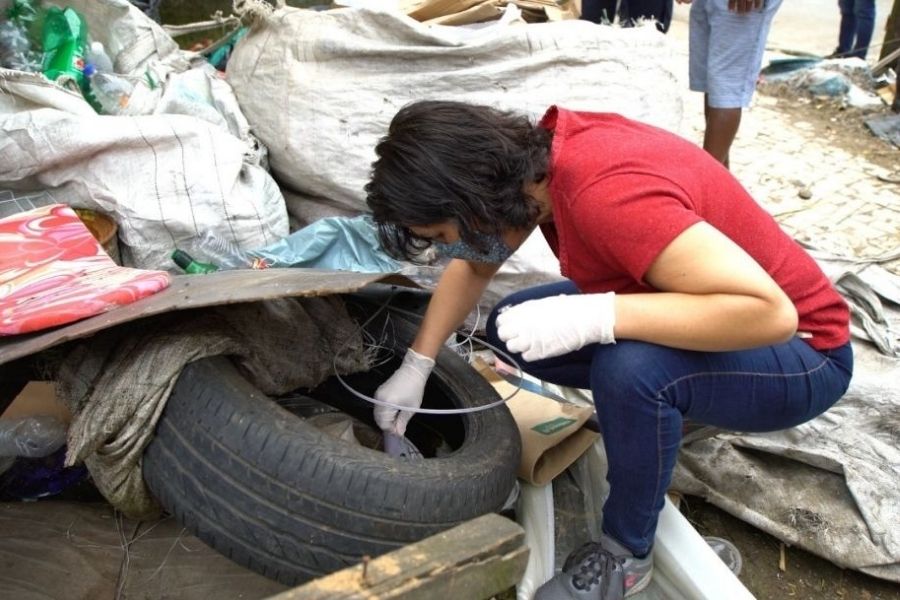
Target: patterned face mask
[{"x": 497, "y": 251}]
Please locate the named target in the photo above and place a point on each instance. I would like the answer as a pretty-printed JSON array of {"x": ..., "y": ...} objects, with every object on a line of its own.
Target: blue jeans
[
  {"x": 596, "y": 11},
  {"x": 629, "y": 12},
  {"x": 857, "y": 25},
  {"x": 658, "y": 10},
  {"x": 643, "y": 393}
]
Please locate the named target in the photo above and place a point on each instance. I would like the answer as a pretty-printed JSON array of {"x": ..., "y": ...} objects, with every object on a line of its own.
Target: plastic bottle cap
[{"x": 89, "y": 70}]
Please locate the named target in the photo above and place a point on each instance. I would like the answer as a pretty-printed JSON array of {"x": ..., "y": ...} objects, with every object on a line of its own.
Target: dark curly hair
[{"x": 445, "y": 161}]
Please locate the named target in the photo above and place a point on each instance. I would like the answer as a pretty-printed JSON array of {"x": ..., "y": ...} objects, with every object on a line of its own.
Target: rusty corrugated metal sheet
[{"x": 196, "y": 291}]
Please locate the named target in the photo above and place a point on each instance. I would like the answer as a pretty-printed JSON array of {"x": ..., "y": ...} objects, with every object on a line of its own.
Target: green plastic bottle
[
  {"x": 64, "y": 41},
  {"x": 191, "y": 266}
]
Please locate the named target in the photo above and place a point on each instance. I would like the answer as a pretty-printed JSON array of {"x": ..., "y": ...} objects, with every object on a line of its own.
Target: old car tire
[{"x": 279, "y": 496}]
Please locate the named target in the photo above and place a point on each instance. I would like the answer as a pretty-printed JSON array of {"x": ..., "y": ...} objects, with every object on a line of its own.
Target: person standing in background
[
  {"x": 727, "y": 39},
  {"x": 857, "y": 25},
  {"x": 629, "y": 11}
]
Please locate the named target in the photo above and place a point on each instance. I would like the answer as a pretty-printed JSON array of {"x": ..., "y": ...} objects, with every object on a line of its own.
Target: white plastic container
[{"x": 685, "y": 567}]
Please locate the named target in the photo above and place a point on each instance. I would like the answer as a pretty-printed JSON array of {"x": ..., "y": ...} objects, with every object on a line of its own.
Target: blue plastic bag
[{"x": 338, "y": 243}]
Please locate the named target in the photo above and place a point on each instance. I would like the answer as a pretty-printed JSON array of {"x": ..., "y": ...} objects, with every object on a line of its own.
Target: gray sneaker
[{"x": 603, "y": 570}]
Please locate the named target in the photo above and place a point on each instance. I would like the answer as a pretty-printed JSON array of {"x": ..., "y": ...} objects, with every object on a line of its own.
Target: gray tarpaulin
[{"x": 117, "y": 382}]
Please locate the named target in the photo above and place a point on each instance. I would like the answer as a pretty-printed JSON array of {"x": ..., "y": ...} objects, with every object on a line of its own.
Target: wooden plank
[
  {"x": 888, "y": 61},
  {"x": 195, "y": 291},
  {"x": 472, "y": 561}
]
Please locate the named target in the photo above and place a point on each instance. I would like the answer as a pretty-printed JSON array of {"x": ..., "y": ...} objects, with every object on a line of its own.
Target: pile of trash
[
  {"x": 110, "y": 60},
  {"x": 103, "y": 111},
  {"x": 55, "y": 41},
  {"x": 848, "y": 81}
]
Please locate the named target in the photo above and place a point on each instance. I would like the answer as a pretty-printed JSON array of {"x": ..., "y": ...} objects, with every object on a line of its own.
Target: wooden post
[
  {"x": 473, "y": 561},
  {"x": 891, "y": 46},
  {"x": 891, "y": 32}
]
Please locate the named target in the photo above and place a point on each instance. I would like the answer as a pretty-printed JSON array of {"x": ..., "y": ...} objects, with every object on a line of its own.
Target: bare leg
[{"x": 721, "y": 127}]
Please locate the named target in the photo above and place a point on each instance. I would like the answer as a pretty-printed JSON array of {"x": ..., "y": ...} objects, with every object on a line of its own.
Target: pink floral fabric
[{"x": 53, "y": 272}]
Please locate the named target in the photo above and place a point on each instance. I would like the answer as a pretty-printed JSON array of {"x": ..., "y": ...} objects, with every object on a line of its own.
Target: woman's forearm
[
  {"x": 705, "y": 322},
  {"x": 712, "y": 296},
  {"x": 456, "y": 295}
]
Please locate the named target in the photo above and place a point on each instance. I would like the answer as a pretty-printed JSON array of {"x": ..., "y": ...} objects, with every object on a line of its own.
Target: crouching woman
[{"x": 683, "y": 298}]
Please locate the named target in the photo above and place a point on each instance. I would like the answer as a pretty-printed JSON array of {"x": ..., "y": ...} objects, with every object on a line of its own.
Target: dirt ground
[
  {"x": 805, "y": 576},
  {"x": 841, "y": 127}
]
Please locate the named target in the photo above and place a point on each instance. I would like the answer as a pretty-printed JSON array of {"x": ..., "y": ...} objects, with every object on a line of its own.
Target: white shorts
[{"x": 726, "y": 50}]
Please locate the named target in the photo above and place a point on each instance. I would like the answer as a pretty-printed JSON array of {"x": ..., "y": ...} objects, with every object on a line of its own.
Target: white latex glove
[
  {"x": 406, "y": 388},
  {"x": 558, "y": 325}
]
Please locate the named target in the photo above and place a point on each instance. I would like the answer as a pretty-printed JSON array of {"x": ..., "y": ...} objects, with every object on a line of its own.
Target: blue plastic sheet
[{"x": 340, "y": 243}]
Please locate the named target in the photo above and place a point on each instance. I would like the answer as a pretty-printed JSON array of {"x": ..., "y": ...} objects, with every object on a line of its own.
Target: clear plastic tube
[{"x": 428, "y": 411}]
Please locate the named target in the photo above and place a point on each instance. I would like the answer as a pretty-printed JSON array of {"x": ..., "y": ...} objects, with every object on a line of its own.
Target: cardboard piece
[
  {"x": 485, "y": 11},
  {"x": 465, "y": 12},
  {"x": 438, "y": 8},
  {"x": 37, "y": 399},
  {"x": 553, "y": 433}
]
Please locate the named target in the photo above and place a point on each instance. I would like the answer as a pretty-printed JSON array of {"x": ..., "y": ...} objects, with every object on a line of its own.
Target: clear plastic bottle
[
  {"x": 106, "y": 92},
  {"x": 33, "y": 437},
  {"x": 96, "y": 55},
  {"x": 226, "y": 255}
]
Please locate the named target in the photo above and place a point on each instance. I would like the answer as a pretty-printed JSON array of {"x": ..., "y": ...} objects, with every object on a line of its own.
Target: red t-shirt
[{"x": 623, "y": 190}]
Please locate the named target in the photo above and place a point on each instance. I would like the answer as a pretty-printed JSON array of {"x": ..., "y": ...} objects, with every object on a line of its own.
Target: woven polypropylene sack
[{"x": 319, "y": 88}]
